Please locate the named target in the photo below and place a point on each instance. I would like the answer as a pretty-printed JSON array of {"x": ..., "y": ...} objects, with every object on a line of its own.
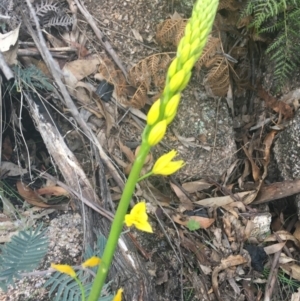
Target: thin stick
[{"x": 5, "y": 68}]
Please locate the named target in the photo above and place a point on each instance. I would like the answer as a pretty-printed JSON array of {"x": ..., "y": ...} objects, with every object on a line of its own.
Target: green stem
[
  {"x": 145, "y": 176},
  {"x": 81, "y": 288},
  {"x": 118, "y": 223}
]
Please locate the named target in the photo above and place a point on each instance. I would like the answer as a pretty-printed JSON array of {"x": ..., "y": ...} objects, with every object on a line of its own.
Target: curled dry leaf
[
  {"x": 222, "y": 200},
  {"x": 195, "y": 186},
  {"x": 30, "y": 196},
  {"x": 53, "y": 190},
  {"x": 284, "y": 235},
  {"x": 272, "y": 249}
]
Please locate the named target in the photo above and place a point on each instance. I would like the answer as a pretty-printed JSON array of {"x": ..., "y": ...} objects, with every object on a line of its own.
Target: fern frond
[
  {"x": 31, "y": 77},
  {"x": 150, "y": 70},
  {"x": 64, "y": 288},
  {"x": 23, "y": 253},
  {"x": 212, "y": 46},
  {"x": 217, "y": 79},
  {"x": 170, "y": 31}
]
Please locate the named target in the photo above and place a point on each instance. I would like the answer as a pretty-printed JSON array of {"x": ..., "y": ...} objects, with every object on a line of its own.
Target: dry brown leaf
[
  {"x": 222, "y": 200},
  {"x": 82, "y": 68},
  {"x": 268, "y": 141},
  {"x": 272, "y": 249},
  {"x": 127, "y": 152},
  {"x": 204, "y": 222},
  {"x": 184, "y": 200},
  {"x": 195, "y": 186},
  {"x": 9, "y": 45},
  {"x": 284, "y": 235},
  {"x": 256, "y": 174},
  {"x": 274, "y": 104},
  {"x": 30, "y": 196},
  {"x": 297, "y": 230},
  {"x": 53, "y": 190},
  {"x": 292, "y": 269},
  {"x": 228, "y": 262}
]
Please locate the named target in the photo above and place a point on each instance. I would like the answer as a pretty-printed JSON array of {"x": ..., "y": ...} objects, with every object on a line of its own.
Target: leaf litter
[{"x": 211, "y": 220}]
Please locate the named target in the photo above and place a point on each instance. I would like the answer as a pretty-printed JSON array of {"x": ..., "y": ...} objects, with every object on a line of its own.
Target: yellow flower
[
  {"x": 165, "y": 166},
  {"x": 118, "y": 296},
  {"x": 153, "y": 113},
  {"x": 157, "y": 133},
  {"x": 139, "y": 218},
  {"x": 91, "y": 262},
  {"x": 64, "y": 268}
]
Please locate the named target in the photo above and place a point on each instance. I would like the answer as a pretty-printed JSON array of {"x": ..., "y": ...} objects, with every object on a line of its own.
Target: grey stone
[
  {"x": 208, "y": 147},
  {"x": 287, "y": 152}
]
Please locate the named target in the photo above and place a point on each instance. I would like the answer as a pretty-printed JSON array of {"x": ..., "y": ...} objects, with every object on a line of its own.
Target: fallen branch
[{"x": 277, "y": 191}]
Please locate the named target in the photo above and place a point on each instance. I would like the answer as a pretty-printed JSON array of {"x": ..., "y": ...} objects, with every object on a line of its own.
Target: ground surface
[{"x": 184, "y": 264}]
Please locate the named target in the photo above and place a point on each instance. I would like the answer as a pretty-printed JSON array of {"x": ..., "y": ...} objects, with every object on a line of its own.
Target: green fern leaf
[{"x": 23, "y": 253}]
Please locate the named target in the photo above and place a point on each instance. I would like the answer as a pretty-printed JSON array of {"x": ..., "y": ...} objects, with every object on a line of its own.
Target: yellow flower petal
[
  {"x": 157, "y": 133},
  {"x": 64, "y": 268},
  {"x": 91, "y": 262},
  {"x": 118, "y": 296},
  {"x": 138, "y": 217},
  {"x": 165, "y": 166}
]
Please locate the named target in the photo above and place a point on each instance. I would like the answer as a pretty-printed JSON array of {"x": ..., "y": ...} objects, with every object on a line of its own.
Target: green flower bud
[
  {"x": 185, "y": 81},
  {"x": 176, "y": 81},
  {"x": 157, "y": 133},
  {"x": 172, "y": 105},
  {"x": 185, "y": 53},
  {"x": 171, "y": 118},
  {"x": 153, "y": 113},
  {"x": 173, "y": 67}
]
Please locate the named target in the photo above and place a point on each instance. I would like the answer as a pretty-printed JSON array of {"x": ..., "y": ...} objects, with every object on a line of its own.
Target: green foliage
[
  {"x": 63, "y": 288},
  {"x": 193, "y": 225},
  {"x": 31, "y": 77},
  {"x": 282, "y": 18},
  {"x": 284, "y": 279},
  {"x": 23, "y": 253}
]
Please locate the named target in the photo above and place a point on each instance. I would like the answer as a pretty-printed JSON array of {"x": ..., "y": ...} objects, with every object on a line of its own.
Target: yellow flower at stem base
[
  {"x": 118, "y": 296},
  {"x": 64, "y": 268},
  {"x": 139, "y": 218},
  {"x": 165, "y": 166},
  {"x": 91, "y": 262}
]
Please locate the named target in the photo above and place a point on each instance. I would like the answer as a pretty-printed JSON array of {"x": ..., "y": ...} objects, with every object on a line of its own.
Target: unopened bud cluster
[{"x": 190, "y": 47}]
